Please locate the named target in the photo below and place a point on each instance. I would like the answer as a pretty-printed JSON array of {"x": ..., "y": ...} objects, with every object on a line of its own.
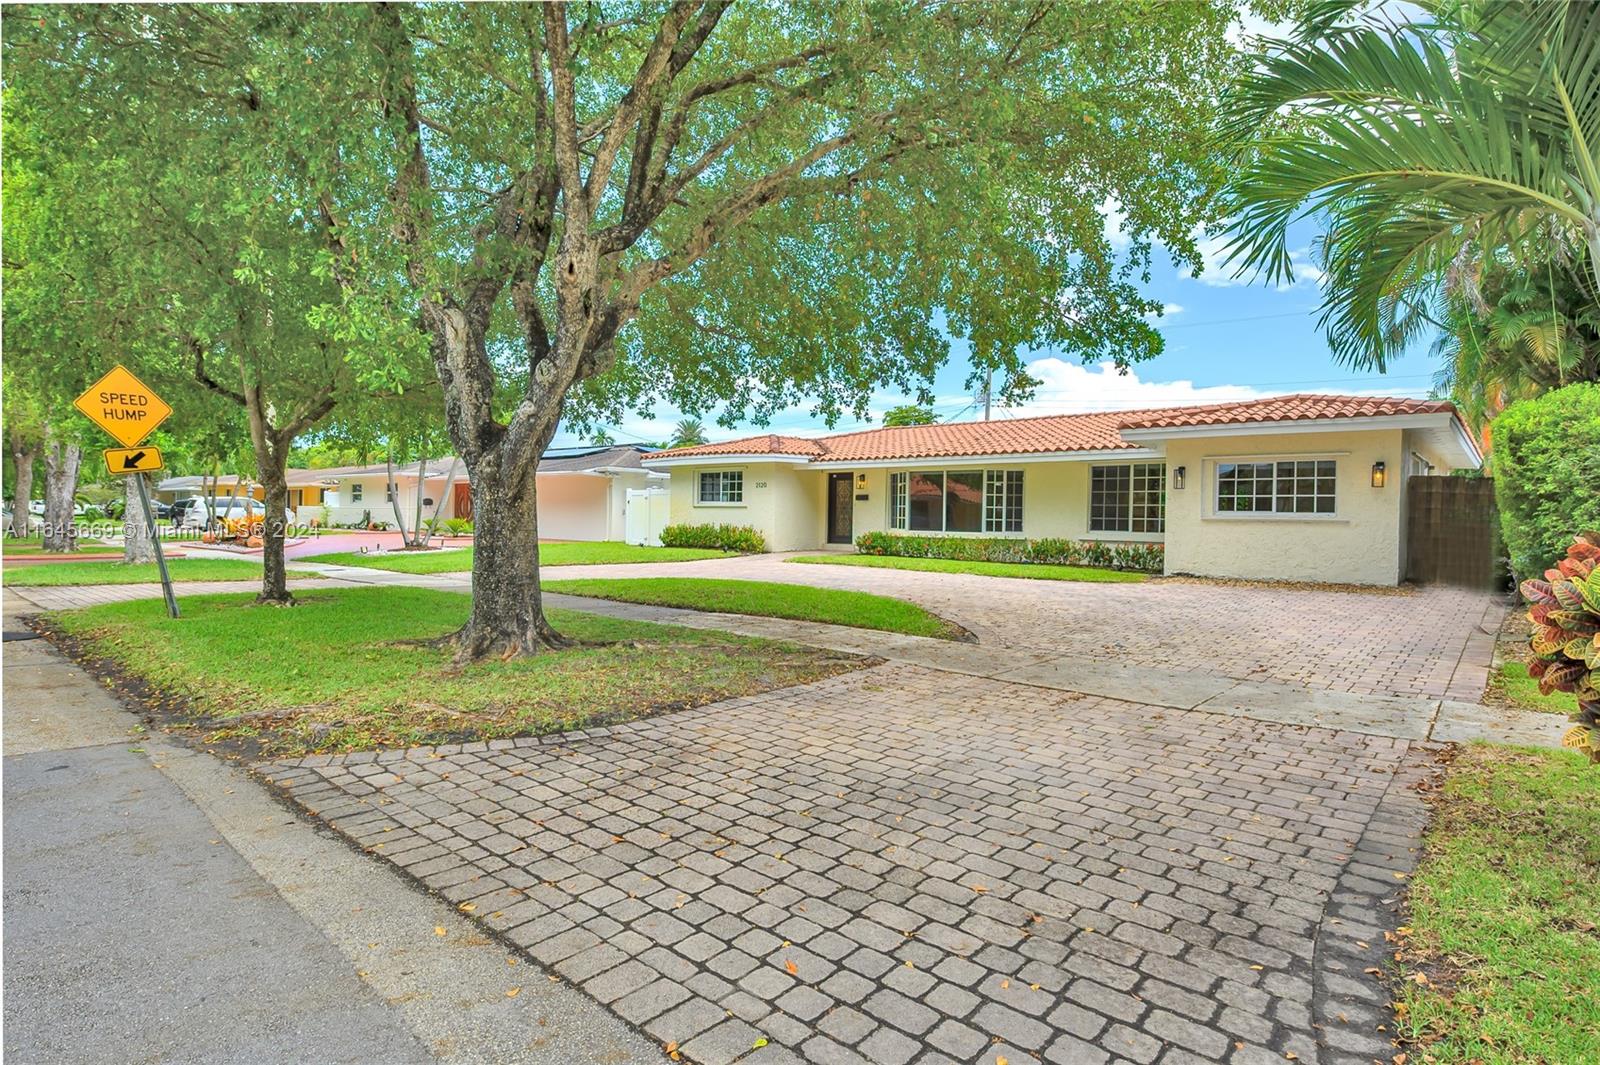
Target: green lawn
[
  {"x": 454, "y": 560},
  {"x": 1519, "y": 689},
  {"x": 1038, "y": 572},
  {"x": 32, "y": 546},
  {"x": 1504, "y": 913},
  {"x": 768, "y": 599},
  {"x": 51, "y": 574},
  {"x": 341, "y": 668}
]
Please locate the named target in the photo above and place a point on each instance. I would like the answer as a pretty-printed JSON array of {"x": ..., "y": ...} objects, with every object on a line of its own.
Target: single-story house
[
  {"x": 1302, "y": 487},
  {"x": 582, "y": 491},
  {"x": 305, "y": 490}
]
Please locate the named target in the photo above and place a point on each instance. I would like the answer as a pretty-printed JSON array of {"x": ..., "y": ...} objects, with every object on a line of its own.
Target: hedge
[
  {"x": 739, "y": 538},
  {"x": 1146, "y": 558},
  {"x": 1547, "y": 474}
]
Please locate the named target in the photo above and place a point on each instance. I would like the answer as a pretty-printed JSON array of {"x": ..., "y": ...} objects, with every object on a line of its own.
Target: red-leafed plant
[{"x": 1565, "y": 611}]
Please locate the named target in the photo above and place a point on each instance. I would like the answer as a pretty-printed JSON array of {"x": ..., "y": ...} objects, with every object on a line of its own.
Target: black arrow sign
[{"x": 131, "y": 462}]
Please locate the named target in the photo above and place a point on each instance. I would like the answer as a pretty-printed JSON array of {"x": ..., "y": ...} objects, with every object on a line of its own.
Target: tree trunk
[
  {"x": 137, "y": 546},
  {"x": 419, "y": 536},
  {"x": 23, "y": 457},
  {"x": 60, "y": 490},
  {"x": 507, "y": 608},
  {"x": 274, "y": 579}
]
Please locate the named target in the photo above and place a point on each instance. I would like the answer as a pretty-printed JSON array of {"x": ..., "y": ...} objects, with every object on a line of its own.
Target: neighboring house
[
  {"x": 1305, "y": 487},
  {"x": 582, "y": 491},
  {"x": 305, "y": 490}
]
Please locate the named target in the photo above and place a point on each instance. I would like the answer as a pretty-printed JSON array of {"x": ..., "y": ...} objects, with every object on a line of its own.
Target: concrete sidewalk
[{"x": 162, "y": 906}]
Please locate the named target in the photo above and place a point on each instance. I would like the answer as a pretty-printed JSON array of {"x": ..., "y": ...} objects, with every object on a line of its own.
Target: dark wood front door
[
  {"x": 841, "y": 508},
  {"x": 463, "y": 500}
]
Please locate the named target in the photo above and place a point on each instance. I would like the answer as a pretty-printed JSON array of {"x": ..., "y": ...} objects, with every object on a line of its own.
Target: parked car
[{"x": 196, "y": 515}]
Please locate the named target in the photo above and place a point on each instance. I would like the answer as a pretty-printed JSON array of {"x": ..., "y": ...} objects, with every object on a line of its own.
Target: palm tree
[
  {"x": 601, "y": 438},
  {"x": 1512, "y": 333},
  {"x": 688, "y": 433},
  {"x": 1425, "y": 149}
]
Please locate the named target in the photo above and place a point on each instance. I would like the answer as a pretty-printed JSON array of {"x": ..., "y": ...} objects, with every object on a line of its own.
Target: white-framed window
[
  {"x": 1278, "y": 486},
  {"x": 355, "y": 492},
  {"x": 1128, "y": 498},
  {"x": 721, "y": 486},
  {"x": 956, "y": 501},
  {"x": 897, "y": 500},
  {"x": 1002, "y": 506}
]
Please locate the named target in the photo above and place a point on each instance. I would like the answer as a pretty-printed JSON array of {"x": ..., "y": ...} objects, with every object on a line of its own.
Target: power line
[{"x": 1230, "y": 321}]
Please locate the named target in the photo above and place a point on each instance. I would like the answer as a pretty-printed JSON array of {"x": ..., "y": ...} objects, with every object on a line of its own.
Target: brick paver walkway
[{"x": 903, "y": 864}]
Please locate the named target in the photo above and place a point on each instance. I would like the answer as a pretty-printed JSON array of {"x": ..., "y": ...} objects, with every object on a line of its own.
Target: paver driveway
[
  {"x": 904, "y": 864},
  {"x": 1399, "y": 642}
]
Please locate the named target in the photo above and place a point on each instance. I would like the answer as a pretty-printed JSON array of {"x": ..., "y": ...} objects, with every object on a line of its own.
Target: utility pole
[{"x": 988, "y": 388}]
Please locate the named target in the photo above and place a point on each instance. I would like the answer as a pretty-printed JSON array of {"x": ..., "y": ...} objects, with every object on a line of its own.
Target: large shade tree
[
  {"x": 730, "y": 207},
  {"x": 1444, "y": 158},
  {"x": 191, "y": 240}
]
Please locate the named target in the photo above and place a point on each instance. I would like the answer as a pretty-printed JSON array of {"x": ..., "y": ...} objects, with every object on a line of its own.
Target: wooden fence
[{"x": 1453, "y": 532}]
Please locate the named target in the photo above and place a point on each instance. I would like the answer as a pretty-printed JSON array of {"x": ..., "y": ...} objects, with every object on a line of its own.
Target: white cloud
[
  {"x": 1167, "y": 311},
  {"x": 1116, "y": 221},
  {"x": 1218, "y": 273}
]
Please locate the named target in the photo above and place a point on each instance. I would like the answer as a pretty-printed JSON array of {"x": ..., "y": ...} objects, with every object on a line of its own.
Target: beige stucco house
[
  {"x": 582, "y": 491},
  {"x": 1303, "y": 487}
]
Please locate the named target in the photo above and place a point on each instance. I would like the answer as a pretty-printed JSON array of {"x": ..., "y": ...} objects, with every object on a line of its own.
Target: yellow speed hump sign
[{"x": 123, "y": 406}]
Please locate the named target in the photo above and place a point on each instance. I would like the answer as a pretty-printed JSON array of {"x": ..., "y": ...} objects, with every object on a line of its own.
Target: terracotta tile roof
[
  {"x": 1049, "y": 433},
  {"x": 1285, "y": 409},
  {"x": 767, "y": 444}
]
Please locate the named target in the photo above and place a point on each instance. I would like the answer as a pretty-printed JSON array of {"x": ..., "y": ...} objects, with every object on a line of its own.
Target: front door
[
  {"x": 841, "y": 508},
  {"x": 463, "y": 500}
]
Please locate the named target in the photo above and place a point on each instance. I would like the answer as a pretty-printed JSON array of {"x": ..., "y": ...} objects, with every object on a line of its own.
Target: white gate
[{"x": 644, "y": 516}]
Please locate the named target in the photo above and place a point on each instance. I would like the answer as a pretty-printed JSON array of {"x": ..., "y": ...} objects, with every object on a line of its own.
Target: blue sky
[{"x": 1226, "y": 339}]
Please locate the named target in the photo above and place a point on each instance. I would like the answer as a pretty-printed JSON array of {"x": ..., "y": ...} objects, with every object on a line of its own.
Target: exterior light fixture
[
  {"x": 1379, "y": 476},
  {"x": 861, "y": 482},
  {"x": 1177, "y": 477}
]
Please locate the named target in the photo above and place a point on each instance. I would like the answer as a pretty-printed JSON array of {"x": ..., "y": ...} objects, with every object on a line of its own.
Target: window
[
  {"x": 897, "y": 501},
  {"x": 925, "y": 496},
  {"x": 722, "y": 486},
  {"x": 956, "y": 501},
  {"x": 1128, "y": 498},
  {"x": 1002, "y": 503},
  {"x": 1286, "y": 487},
  {"x": 355, "y": 492}
]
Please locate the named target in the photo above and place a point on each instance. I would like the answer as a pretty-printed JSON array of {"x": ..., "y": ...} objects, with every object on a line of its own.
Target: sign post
[{"x": 129, "y": 411}]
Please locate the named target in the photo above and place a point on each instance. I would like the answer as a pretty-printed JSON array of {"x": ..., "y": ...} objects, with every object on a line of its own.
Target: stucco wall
[
  {"x": 781, "y": 501},
  {"x": 1055, "y": 501},
  {"x": 789, "y": 504},
  {"x": 1361, "y": 543},
  {"x": 573, "y": 507}
]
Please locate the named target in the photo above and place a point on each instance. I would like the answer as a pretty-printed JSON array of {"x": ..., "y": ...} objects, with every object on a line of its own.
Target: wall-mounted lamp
[
  {"x": 1177, "y": 478},
  {"x": 1379, "y": 476},
  {"x": 861, "y": 482}
]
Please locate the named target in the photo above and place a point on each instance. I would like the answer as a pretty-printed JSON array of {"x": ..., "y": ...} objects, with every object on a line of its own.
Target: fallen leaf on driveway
[
  {"x": 514, "y": 992},
  {"x": 788, "y": 963},
  {"x": 438, "y": 930}
]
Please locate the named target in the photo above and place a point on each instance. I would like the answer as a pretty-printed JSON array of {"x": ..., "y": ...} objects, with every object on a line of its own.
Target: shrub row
[
  {"x": 740, "y": 538},
  {"x": 1547, "y": 474},
  {"x": 1146, "y": 558}
]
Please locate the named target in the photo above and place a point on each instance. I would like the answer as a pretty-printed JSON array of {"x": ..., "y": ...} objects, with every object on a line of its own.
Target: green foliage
[
  {"x": 1514, "y": 332},
  {"x": 688, "y": 433},
  {"x": 1144, "y": 558},
  {"x": 1564, "y": 609},
  {"x": 1547, "y": 474},
  {"x": 1502, "y": 914},
  {"x": 909, "y": 414},
  {"x": 1463, "y": 137},
  {"x": 1038, "y": 571},
  {"x": 458, "y": 526},
  {"x": 736, "y": 538}
]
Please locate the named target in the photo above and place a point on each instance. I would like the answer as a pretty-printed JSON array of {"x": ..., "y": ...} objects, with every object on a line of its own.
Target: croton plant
[{"x": 1565, "y": 611}]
